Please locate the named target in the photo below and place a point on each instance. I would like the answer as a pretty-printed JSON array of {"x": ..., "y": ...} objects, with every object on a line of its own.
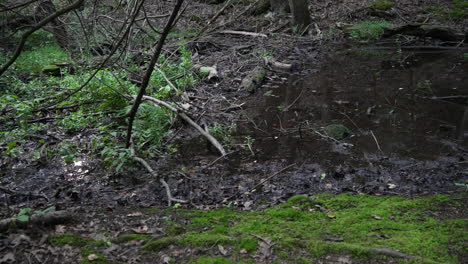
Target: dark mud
[{"x": 406, "y": 112}]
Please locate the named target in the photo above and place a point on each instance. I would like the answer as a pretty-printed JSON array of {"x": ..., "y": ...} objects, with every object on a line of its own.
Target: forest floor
[{"x": 357, "y": 154}]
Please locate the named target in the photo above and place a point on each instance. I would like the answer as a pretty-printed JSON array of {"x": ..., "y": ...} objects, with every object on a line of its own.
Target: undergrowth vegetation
[
  {"x": 36, "y": 102},
  {"x": 369, "y": 29}
]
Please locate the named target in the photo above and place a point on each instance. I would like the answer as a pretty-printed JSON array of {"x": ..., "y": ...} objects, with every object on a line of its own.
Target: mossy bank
[{"x": 310, "y": 229}]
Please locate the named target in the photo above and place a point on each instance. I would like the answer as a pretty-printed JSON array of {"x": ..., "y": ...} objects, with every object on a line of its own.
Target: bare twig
[
  {"x": 145, "y": 164},
  {"x": 186, "y": 118},
  {"x": 376, "y": 141},
  {"x": 245, "y": 33},
  {"x": 146, "y": 78},
  {"x": 213, "y": 19},
  {"x": 36, "y": 27}
]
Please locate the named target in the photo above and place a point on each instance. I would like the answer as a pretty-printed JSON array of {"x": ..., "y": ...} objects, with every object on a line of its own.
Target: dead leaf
[
  {"x": 60, "y": 229},
  {"x": 243, "y": 251},
  {"x": 92, "y": 257},
  {"x": 334, "y": 239},
  {"x": 135, "y": 214},
  {"x": 222, "y": 250},
  {"x": 376, "y": 217},
  {"x": 265, "y": 247},
  {"x": 166, "y": 259},
  {"x": 142, "y": 230},
  {"x": 8, "y": 258},
  {"x": 296, "y": 208},
  {"x": 331, "y": 216},
  {"x": 247, "y": 205}
]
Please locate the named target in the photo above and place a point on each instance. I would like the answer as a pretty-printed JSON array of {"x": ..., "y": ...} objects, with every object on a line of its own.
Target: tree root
[{"x": 145, "y": 164}]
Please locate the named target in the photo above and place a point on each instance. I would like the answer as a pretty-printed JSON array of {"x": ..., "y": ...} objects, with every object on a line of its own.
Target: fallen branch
[
  {"x": 185, "y": 117},
  {"x": 278, "y": 65},
  {"x": 145, "y": 164},
  {"x": 213, "y": 19},
  {"x": 245, "y": 33},
  {"x": 47, "y": 219}
]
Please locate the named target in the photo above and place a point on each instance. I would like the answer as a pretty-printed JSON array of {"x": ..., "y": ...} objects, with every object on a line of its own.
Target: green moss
[
  {"x": 369, "y": 29},
  {"x": 304, "y": 224},
  {"x": 205, "y": 239},
  {"x": 212, "y": 260},
  {"x": 159, "y": 244},
  {"x": 247, "y": 243},
  {"x": 131, "y": 237},
  {"x": 37, "y": 59},
  {"x": 68, "y": 239},
  {"x": 174, "y": 230},
  {"x": 382, "y": 4}
]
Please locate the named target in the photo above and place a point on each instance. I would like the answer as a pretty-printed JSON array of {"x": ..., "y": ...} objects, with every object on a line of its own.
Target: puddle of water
[{"x": 408, "y": 104}]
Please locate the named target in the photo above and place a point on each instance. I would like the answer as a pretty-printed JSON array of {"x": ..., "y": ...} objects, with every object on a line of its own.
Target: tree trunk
[
  {"x": 56, "y": 27},
  {"x": 301, "y": 14}
]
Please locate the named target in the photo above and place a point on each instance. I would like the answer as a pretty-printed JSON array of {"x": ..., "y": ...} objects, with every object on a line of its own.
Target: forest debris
[
  {"x": 432, "y": 31},
  {"x": 376, "y": 217},
  {"x": 211, "y": 71},
  {"x": 265, "y": 247},
  {"x": 92, "y": 257},
  {"x": 186, "y": 118},
  {"x": 50, "y": 218},
  {"x": 222, "y": 250},
  {"x": 8, "y": 258},
  {"x": 244, "y": 33},
  {"x": 277, "y": 65},
  {"x": 254, "y": 79}
]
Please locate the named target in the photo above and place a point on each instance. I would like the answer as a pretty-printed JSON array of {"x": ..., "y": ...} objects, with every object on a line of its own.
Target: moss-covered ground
[{"x": 306, "y": 229}]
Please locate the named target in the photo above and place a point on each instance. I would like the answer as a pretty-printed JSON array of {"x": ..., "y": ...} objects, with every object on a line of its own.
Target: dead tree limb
[
  {"x": 36, "y": 27},
  {"x": 145, "y": 164},
  {"x": 187, "y": 119},
  {"x": 146, "y": 78},
  {"x": 50, "y": 218}
]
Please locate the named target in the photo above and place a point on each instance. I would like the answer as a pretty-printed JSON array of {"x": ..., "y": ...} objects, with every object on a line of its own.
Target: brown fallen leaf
[
  {"x": 331, "y": 216},
  {"x": 142, "y": 230},
  {"x": 243, "y": 251},
  {"x": 296, "y": 208}
]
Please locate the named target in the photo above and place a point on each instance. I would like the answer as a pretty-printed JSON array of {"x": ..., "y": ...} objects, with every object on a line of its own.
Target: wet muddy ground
[{"x": 405, "y": 114}]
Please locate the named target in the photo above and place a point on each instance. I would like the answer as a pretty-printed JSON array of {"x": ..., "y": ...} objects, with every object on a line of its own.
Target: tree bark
[{"x": 301, "y": 14}]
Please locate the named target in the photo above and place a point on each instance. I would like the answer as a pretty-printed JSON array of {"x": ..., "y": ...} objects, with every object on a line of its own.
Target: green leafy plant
[
  {"x": 25, "y": 214},
  {"x": 223, "y": 134},
  {"x": 248, "y": 144},
  {"x": 459, "y": 10}
]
